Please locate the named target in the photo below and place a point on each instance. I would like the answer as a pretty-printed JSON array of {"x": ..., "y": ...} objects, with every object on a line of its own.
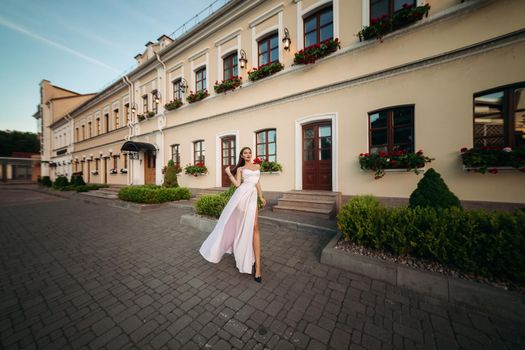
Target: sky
[{"x": 80, "y": 45}]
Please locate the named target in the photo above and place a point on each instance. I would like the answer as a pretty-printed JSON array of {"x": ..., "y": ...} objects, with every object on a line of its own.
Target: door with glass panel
[
  {"x": 317, "y": 156},
  {"x": 227, "y": 157}
]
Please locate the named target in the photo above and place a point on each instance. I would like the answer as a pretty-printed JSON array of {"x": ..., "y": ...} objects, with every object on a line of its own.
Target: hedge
[
  {"x": 213, "y": 205},
  {"x": 490, "y": 244},
  {"x": 150, "y": 194},
  {"x": 88, "y": 187},
  {"x": 60, "y": 182},
  {"x": 46, "y": 181}
]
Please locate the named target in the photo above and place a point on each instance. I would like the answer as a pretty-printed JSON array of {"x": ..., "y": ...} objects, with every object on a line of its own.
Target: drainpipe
[
  {"x": 160, "y": 124},
  {"x": 129, "y": 124}
]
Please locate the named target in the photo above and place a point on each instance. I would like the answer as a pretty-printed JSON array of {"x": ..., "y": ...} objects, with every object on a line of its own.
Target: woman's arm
[{"x": 236, "y": 180}]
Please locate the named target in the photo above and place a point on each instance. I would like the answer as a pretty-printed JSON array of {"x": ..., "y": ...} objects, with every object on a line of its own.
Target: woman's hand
[
  {"x": 263, "y": 201},
  {"x": 228, "y": 171}
]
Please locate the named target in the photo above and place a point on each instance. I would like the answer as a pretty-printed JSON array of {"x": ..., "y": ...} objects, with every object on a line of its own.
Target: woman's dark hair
[{"x": 241, "y": 161}]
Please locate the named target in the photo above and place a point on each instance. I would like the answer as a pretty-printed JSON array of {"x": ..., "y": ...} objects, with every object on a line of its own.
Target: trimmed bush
[
  {"x": 170, "y": 176},
  {"x": 489, "y": 244},
  {"x": 89, "y": 187},
  {"x": 77, "y": 180},
  {"x": 433, "y": 192},
  {"x": 46, "y": 181},
  {"x": 212, "y": 205},
  {"x": 60, "y": 182},
  {"x": 150, "y": 194}
]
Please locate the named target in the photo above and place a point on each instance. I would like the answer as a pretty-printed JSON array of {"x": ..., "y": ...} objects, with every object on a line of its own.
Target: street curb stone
[{"x": 450, "y": 289}]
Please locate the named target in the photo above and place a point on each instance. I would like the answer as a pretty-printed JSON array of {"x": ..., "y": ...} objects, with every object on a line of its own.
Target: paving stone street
[{"x": 76, "y": 275}]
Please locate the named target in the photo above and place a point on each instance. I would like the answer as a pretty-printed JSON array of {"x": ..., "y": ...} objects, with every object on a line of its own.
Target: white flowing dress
[{"x": 234, "y": 229}]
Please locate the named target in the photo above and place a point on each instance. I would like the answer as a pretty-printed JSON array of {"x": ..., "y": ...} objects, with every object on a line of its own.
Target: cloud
[{"x": 10, "y": 25}]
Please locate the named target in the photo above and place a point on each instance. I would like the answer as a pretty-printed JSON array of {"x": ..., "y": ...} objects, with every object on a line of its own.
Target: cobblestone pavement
[{"x": 82, "y": 276}]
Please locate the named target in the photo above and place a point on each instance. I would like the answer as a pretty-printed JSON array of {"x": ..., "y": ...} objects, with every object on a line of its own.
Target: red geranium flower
[
  {"x": 382, "y": 154},
  {"x": 257, "y": 160},
  {"x": 464, "y": 149}
]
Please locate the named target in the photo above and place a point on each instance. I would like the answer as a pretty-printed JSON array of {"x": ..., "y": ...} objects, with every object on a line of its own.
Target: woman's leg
[{"x": 257, "y": 245}]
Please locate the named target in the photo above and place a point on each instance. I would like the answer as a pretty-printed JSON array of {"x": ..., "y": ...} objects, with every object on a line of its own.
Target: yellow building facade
[{"x": 421, "y": 87}]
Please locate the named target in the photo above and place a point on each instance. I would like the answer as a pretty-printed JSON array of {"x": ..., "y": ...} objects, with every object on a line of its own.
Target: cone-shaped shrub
[
  {"x": 170, "y": 176},
  {"x": 77, "y": 180},
  {"x": 433, "y": 192}
]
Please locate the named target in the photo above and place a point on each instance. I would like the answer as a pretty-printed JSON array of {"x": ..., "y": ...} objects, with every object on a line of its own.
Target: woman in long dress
[{"x": 237, "y": 229}]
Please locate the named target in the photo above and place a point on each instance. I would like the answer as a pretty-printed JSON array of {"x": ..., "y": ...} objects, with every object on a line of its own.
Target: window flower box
[
  {"x": 113, "y": 171},
  {"x": 150, "y": 114},
  {"x": 227, "y": 85},
  {"x": 123, "y": 171},
  {"x": 197, "y": 96},
  {"x": 268, "y": 167},
  {"x": 492, "y": 159},
  {"x": 176, "y": 103},
  {"x": 198, "y": 169},
  {"x": 265, "y": 71},
  {"x": 141, "y": 117},
  {"x": 383, "y": 162},
  {"x": 94, "y": 172},
  {"x": 312, "y": 53},
  {"x": 381, "y": 26}
]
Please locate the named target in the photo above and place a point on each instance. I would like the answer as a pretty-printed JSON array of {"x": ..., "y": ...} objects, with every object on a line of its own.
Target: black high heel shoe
[{"x": 257, "y": 279}]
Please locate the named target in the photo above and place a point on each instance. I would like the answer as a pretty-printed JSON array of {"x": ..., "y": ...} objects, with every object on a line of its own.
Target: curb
[
  {"x": 447, "y": 288},
  {"x": 206, "y": 224}
]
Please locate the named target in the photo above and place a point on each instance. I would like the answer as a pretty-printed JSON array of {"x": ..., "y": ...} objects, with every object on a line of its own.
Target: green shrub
[
  {"x": 46, "y": 181},
  {"x": 60, "y": 182},
  {"x": 77, "y": 180},
  {"x": 432, "y": 192},
  {"x": 211, "y": 205},
  {"x": 153, "y": 194},
  {"x": 170, "y": 176},
  {"x": 490, "y": 244},
  {"x": 89, "y": 187}
]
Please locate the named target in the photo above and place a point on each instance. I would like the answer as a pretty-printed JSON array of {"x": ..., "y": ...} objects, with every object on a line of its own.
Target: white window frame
[{"x": 302, "y": 13}]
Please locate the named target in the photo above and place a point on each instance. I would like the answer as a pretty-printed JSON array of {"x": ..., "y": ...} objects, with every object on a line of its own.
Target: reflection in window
[
  {"x": 392, "y": 130},
  {"x": 268, "y": 49},
  {"x": 319, "y": 27}
]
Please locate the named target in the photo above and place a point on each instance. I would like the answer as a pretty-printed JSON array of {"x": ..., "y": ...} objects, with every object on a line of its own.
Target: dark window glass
[
  {"x": 380, "y": 8},
  {"x": 230, "y": 68},
  {"x": 200, "y": 80},
  {"x": 392, "y": 129},
  {"x": 268, "y": 49},
  {"x": 318, "y": 27}
]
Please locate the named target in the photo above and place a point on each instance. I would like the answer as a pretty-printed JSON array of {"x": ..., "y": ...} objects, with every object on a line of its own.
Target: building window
[
  {"x": 145, "y": 104},
  {"x": 98, "y": 126},
  {"x": 89, "y": 130},
  {"x": 319, "y": 27},
  {"x": 200, "y": 80},
  {"x": 266, "y": 147},
  {"x": 106, "y": 121},
  {"x": 268, "y": 49},
  {"x": 126, "y": 112},
  {"x": 175, "y": 155},
  {"x": 499, "y": 117},
  {"x": 115, "y": 162},
  {"x": 77, "y": 134},
  {"x": 96, "y": 164},
  {"x": 83, "y": 132},
  {"x": 391, "y": 130},
  {"x": 380, "y": 8},
  {"x": 229, "y": 64},
  {"x": 198, "y": 152},
  {"x": 155, "y": 106},
  {"x": 177, "y": 89},
  {"x": 125, "y": 161},
  {"x": 116, "y": 118}
]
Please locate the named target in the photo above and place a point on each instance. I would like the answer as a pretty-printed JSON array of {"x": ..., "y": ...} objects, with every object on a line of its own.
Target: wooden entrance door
[
  {"x": 227, "y": 157},
  {"x": 105, "y": 171},
  {"x": 317, "y": 156},
  {"x": 149, "y": 168}
]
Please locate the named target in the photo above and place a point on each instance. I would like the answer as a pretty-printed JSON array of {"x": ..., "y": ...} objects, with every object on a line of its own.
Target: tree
[
  {"x": 18, "y": 141},
  {"x": 433, "y": 192},
  {"x": 170, "y": 176}
]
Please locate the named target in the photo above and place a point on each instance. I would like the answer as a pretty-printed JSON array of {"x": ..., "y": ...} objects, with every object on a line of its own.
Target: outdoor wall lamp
[
  {"x": 243, "y": 61},
  {"x": 133, "y": 108},
  {"x": 157, "y": 97},
  {"x": 183, "y": 85},
  {"x": 286, "y": 40}
]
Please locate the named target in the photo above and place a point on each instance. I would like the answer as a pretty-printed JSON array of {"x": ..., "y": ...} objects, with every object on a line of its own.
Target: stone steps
[{"x": 320, "y": 204}]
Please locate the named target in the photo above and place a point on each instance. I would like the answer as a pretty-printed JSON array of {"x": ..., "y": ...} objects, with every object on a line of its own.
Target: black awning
[{"x": 133, "y": 146}]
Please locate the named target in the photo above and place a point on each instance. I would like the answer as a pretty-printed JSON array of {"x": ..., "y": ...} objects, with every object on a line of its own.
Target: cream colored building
[{"x": 415, "y": 89}]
